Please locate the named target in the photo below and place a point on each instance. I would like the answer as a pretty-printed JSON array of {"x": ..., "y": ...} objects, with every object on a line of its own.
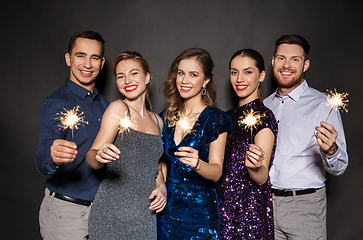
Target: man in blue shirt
[{"x": 60, "y": 153}]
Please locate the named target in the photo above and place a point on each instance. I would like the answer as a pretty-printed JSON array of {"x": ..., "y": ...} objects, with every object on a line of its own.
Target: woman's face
[
  {"x": 190, "y": 79},
  {"x": 131, "y": 80},
  {"x": 245, "y": 78}
]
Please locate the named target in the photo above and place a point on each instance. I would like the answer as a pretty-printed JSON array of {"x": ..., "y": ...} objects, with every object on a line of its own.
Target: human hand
[
  {"x": 63, "y": 151},
  {"x": 254, "y": 157},
  {"x": 159, "y": 196},
  {"x": 326, "y": 138},
  {"x": 188, "y": 156},
  {"x": 107, "y": 153}
]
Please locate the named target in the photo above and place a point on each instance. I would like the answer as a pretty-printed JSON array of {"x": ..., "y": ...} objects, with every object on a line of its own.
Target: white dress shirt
[{"x": 299, "y": 161}]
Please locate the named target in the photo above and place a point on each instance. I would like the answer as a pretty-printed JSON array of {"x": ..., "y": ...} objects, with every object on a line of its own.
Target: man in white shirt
[{"x": 308, "y": 145}]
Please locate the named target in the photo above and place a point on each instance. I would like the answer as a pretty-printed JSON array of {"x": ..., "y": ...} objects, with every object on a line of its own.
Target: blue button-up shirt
[{"x": 75, "y": 179}]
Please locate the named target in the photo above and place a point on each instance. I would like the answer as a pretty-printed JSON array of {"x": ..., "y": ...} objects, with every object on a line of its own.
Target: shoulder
[{"x": 116, "y": 107}]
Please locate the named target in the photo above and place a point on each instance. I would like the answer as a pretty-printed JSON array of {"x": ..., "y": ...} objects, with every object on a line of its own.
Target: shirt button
[{"x": 282, "y": 101}]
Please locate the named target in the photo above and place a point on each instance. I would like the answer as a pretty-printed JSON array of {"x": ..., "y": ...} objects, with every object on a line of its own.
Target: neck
[
  {"x": 138, "y": 105},
  {"x": 194, "y": 105},
  {"x": 244, "y": 101}
]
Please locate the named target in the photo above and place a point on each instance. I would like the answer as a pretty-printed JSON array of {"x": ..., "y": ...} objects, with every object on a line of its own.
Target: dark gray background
[{"x": 34, "y": 37}]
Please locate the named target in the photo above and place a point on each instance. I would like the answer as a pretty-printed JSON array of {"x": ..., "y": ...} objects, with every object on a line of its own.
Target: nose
[
  {"x": 240, "y": 78},
  {"x": 286, "y": 64},
  {"x": 184, "y": 79},
  {"x": 87, "y": 63}
]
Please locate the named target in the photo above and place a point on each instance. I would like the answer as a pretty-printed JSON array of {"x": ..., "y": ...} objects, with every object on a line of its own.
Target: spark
[
  {"x": 184, "y": 123},
  {"x": 250, "y": 119},
  {"x": 124, "y": 122},
  {"x": 71, "y": 119},
  {"x": 337, "y": 101}
]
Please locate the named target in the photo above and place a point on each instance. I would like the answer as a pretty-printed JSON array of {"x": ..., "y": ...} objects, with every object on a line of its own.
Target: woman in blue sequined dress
[
  {"x": 193, "y": 153},
  {"x": 244, "y": 189}
]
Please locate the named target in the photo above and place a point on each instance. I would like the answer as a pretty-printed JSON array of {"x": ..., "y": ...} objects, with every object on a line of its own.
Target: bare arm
[
  {"x": 258, "y": 157},
  {"x": 102, "y": 150},
  {"x": 213, "y": 169},
  {"x": 159, "y": 192}
]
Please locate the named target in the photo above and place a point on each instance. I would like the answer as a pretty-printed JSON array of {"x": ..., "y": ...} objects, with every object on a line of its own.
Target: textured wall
[{"x": 34, "y": 36}]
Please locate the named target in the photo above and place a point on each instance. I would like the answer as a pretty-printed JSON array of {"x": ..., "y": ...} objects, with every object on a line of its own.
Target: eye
[
  {"x": 95, "y": 58},
  {"x": 134, "y": 73},
  {"x": 180, "y": 73},
  {"x": 194, "y": 75},
  {"x": 233, "y": 72},
  {"x": 295, "y": 60},
  {"x": 119, "y": 77},
  {"x": 248, "y": 72}
]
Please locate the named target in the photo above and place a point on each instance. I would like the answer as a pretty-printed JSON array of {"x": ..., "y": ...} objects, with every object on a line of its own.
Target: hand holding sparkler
[
  {"x": 63, "y": 151},
  {"x": 188, "y": 156},
  {"x": 107, "y": 153},
  {"x": 326, "y": 138},
  {"x": 254, "y": 157}
]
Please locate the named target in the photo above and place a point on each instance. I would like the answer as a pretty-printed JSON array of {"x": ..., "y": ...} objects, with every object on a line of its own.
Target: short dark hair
[
  {"x": 294, "y": 39},
  {"x": 253, "y": 54},
  {"x": 86, "y": 34}
]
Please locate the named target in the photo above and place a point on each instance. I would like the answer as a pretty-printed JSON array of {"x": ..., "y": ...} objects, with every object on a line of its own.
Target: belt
[
  {"x": 286, "y": 193},
  {"x": 70, "y": 199}
]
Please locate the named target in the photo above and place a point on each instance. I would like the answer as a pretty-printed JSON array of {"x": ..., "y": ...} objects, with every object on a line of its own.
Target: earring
[{"x": 204, "y": 91}]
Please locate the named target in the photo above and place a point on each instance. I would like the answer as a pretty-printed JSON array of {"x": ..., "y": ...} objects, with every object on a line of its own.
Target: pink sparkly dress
[{"x": 246, "y": 207}]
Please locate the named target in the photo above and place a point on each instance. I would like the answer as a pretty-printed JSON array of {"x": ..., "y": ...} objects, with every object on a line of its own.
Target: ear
[
  {"x": 206, "y": 81},
  {"x": 306, "y": 65},
  {"x": 67, "y": 57},
  {"x": 103, "y": 62},
  {"x": 148, "y": 78},
  {"x": 262, "y": 76},
  {"x": 273, "y": 61}
]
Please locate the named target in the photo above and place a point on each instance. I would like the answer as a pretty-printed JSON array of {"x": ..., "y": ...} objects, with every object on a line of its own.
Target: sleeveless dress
[
  {"x": 246, "y": 207},
  {"x": 192, "y": 210},
  {"x": 120, "y": 209}
]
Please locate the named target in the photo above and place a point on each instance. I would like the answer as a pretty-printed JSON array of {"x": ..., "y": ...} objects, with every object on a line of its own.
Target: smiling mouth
[
  {"x": 241, "y": 87},
  {"x": 86, "y": 73},
  {"x": 130, "y": 88},
  {"x": 185, "y": 89},
  {"x": 285, "y": 73}
]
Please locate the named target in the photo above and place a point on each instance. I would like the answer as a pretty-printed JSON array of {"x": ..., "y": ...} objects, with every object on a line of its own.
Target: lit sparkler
[
  {"x": 124, "y": 122},
  {"x": 184, "y": 123},
  {"x": 71, "y": 119},
  {"x": 250, "y": 119},
  {"x": 337, "y": 101}
]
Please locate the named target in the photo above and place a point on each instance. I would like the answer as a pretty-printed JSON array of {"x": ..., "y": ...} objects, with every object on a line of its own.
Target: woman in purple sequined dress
[{"x": 244, "y": 189}]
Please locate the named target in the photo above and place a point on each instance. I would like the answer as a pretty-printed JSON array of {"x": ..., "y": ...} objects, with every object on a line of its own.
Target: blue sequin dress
[
  {"x": 246, "y": 207},
  {"x": 192, "y": 210}
]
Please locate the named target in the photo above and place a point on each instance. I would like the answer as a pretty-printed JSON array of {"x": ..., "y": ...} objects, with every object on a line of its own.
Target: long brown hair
[
  {"x": 144, "y": 66},
  {"x": 171, "y": 93}
]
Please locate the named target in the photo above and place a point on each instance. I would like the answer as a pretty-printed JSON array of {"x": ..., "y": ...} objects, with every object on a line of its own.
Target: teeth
[
  {"x": 241, "y": 87},
  {"x": 86, "y": 72},
  {"x": 130, "y": 88},
  {"x": 186, "y": 88},
  {"x": 286, "y": 73}
]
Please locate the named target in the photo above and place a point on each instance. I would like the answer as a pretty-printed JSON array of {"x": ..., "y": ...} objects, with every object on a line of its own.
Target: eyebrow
[
  {"x": 83, "y": 53},
  {"x": 280, "y": 55}
]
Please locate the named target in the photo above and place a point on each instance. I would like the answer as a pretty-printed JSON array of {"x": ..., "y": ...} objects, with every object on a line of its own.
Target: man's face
[
  {"x": 85, "y": 62},
  {"x": 288, "y": 66}
]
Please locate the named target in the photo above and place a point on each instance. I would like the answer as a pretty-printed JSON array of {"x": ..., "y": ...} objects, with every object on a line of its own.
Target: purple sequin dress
[{"x": 246, "y": 207}]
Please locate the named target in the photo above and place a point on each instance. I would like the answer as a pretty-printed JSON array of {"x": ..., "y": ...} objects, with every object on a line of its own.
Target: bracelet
[{"x": 197, "y": 164}]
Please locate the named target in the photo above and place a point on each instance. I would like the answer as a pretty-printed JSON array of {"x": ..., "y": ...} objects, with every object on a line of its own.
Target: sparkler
[
  {"x": 184, "y": 123},
  {"x": 250, "y": 119},
  {"x": 124, "y": 122},
  {"x": 71, "y": 119},
  {"x": 337, "y": 101}
]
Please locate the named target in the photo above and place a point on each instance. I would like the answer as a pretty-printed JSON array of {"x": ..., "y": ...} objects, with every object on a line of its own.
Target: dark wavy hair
[
  {"x": 132, "y": 55},
  {"x": 171, "y": 93}
]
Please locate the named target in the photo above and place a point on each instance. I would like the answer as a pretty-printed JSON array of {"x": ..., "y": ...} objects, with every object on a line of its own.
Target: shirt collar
[
  {"x": 296, "y": 93},
  {"x": 81, "y": 91}
]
